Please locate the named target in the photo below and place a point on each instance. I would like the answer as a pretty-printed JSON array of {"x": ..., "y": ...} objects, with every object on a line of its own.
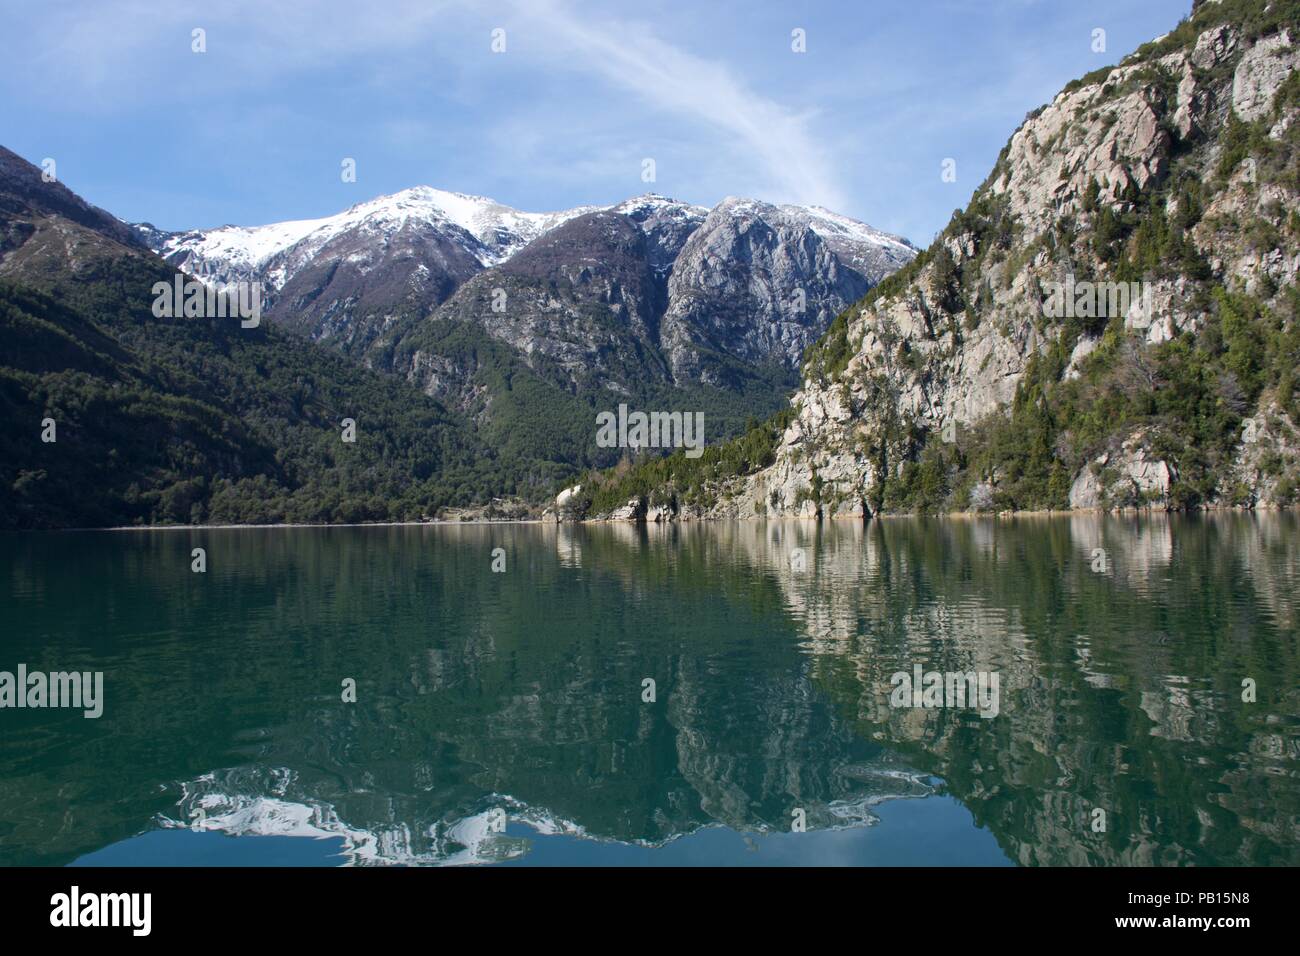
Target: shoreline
[
  {"x": 443, "y": 522},
  {"x": 296, "y": 524}
]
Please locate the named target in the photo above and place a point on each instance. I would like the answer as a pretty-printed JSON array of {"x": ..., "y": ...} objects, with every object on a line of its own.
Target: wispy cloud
[
  {"x": 627, "y": 54},
  {"x": 254, "y": 131}
]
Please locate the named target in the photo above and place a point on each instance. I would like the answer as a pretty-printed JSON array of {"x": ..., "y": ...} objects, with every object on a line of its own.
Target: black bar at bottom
[{"x": 343, "y": 905}]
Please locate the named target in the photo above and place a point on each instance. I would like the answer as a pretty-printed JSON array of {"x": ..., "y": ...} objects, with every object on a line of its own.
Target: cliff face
[
  {"x": 755, "y": 281},
  {"x": 581, "y": 299},
  {"x": 1110, "y": 322},
  {"x": 653, "y": 293}
]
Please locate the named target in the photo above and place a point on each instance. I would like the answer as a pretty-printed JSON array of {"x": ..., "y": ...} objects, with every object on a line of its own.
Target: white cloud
[
  {"x": 769, "y": 135},
  {"x": 110, "y": 49},
  {"x": 120, "y": 56}
]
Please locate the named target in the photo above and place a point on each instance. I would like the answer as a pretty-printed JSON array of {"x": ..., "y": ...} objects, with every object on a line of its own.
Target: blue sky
[{"x": 255, "y": 129}]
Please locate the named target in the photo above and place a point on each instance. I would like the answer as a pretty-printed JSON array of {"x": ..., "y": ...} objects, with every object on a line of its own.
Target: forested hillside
[{"x": 190, "y": 419}]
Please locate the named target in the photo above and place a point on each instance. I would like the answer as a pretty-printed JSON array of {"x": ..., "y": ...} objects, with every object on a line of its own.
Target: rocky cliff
[{"x": 1110, "y": 322}]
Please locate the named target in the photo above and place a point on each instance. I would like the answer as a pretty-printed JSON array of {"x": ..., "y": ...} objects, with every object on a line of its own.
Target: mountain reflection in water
[{"x": 499, "y": 714}]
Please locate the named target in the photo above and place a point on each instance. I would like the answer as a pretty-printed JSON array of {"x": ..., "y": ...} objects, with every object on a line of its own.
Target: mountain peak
[{"x": 489, "y": 231}]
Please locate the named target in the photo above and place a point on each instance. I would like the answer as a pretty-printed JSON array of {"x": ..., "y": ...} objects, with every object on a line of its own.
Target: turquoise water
[{"x": 503, "y": 717}]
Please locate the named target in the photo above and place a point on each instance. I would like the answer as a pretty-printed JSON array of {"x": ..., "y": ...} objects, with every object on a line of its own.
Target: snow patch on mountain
[
  {"x": 841, "y": 232},
  {"x": 491, "y": 232}
]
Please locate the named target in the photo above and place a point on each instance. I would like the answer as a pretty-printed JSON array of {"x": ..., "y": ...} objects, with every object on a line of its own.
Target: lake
[{"x": 686, "y": 694}]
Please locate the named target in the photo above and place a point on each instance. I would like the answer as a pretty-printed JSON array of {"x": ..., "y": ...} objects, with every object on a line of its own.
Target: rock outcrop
[{"x": 1160, "y": 194}]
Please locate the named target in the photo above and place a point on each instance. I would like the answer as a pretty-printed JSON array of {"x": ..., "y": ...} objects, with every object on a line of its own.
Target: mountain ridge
[
  {"x": 501, "y": 230},
  {"x": 193, "y": 421},
  {"x": 651, "y": 300}
]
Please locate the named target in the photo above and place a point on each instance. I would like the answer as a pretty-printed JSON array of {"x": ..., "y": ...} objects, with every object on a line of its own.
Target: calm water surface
[{"x": 500, "y": 716}]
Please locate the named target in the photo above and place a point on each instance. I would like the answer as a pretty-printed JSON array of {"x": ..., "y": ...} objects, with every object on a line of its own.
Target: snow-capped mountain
[
  {"x": 487, "y": 230},
  {"x": 868, "y": 250},
  {"x": 467, "y": 297},
  {"x": 649, "y": 296},
  {"x": 667, "y": 225}
]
